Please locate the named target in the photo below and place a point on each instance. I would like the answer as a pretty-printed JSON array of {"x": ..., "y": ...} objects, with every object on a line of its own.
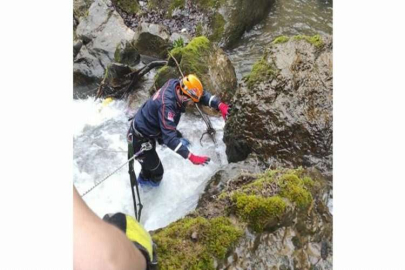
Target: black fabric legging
[{"x": 152, "y": 168}]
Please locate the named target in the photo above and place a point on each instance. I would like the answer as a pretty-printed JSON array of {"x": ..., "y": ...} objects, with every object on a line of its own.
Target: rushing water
[
  {"x": 286, "y": 17},
  {"x": 100, "y": 131},
  {"x": 100, "y": 147}
]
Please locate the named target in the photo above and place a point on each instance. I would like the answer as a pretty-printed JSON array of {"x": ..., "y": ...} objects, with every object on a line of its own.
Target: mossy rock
[
  {"x": 126, "y": 53},
  {"x": 281, "y": 39},
  {"x": 191, "y": 56},
  {"x": 129, "y": 6},
  {"x": 152, "y": 45},
  {"x": 152, "y": 40},
  {"x": 315, "y": 40},
  {"x": 208, "y": 4},
  {"x": 162, "y": 76},
  {"x": 194, "y": 243},
  {"x": 258, "y": 211},
  {"x": 206, "y": 60},
  {"x": 262, "y": 71},
  {"x": 174, "y": 5},
  {"x": 81, "y": 8},
  {"x": 217, "y": 24},
  {"x": 243, "y": 18},
  {"x": 199, "y": 30},
  {"x": 263, "y": 202}
]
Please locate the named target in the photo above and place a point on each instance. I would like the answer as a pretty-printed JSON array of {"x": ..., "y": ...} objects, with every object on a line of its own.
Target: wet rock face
[
  {"x": 283, "y": 111},
  {"x": 87, "y": 73},
  {"x": 282, "y": 214},
  {"x": 278, "y": 250},
  {"x": 302, "y": 239},
  {"x": 126, "y": 53},
  {"x": 81, "y": 7},
  {"x": 101, "y": 32},
  {"x": 242, "y": 15},
  {"x": 152, "y": 40},
  {"x": 222, "y": 21}
]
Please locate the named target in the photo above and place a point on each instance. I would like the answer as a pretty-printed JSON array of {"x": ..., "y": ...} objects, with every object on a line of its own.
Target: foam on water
[{"x": 100, "y": 148}]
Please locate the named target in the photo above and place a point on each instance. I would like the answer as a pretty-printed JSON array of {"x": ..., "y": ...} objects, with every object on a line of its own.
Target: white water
[{"x": 99, "y": 147}]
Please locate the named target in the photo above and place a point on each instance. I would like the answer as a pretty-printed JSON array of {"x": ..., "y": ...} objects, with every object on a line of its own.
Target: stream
[{"x": 99, "y": 137}]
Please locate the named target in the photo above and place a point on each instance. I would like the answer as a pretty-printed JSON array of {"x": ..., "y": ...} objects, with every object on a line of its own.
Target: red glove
[
  {"x": 224, "y": 108},
  {"x": 198, "y": 160}
]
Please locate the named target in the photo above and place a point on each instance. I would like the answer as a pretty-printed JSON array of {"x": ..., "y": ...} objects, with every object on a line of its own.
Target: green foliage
[
  {"x": 262, "y": 71},
  {"x": 258, "y": 211},
  {"x": 315, "y": 40},
  {"x": 178, "y": 43},
  {"x": 280, "y": 39},
  {"x": 177, "y": 250},
  {"x": 129, "y": 6}
]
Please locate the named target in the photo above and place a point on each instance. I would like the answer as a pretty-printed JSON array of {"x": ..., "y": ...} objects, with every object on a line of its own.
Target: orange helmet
[{"x": 191, "y": 86}]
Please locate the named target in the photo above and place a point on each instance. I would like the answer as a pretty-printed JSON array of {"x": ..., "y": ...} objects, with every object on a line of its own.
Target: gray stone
[
  {"x": 175, "y": 36},
  {"x": 152, "y": 40},
  {"x": 284, "y": 115},
  {"x": 126, "y": 53},
  {"x": 101, "y": 31},
  {"x": 87, "y": 73},
  {"x": 241, "y": 16}
]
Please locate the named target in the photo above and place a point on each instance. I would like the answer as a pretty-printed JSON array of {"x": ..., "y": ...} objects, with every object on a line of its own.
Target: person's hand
[
  {"x": 198, "y": 160},
  {"x": 135, "y": 233},
  {"x": 224, "y": 108}
]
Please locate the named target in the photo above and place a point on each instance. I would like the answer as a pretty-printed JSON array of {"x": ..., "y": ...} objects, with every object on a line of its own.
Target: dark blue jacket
[{"x": 160, "y": 115}]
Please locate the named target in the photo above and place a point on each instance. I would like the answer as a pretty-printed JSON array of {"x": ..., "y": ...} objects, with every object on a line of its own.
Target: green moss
[
  {"x": 199, "y": 30},
  {"x": 207, "y": 4},
  {"x": 314, "y": 40},
  {"x": 218, "y": 25},
  {"x": 213, "y": 237},
  {"x": 262, "y": 71},
  {"x": 152, "y": 5},
  {"x": 293, "y": 188},
  {"x": 175, "y": 4},
  {"x": 129, "y": 6},
  {"x": 191, "y": 57},
  {"x": 152, "y": 45},
  {"x": 164, "y": 74},
  {"x": 280, "y": 39},
  {"x": 258, "y": 211},
  {"x": 263, "y": 201},
  {"x": 308, "y": 182}
]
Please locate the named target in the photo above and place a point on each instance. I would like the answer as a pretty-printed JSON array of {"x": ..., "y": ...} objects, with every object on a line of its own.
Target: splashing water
[{"x": 100, "y": 147}]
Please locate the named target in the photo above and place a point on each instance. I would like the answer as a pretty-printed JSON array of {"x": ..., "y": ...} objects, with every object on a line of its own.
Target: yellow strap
[
  {"x": 107, "y": 101},
  {"x": 135, "y": 232}
]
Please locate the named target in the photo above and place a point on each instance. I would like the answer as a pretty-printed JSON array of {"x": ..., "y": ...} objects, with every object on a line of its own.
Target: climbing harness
[{"x": 146, "y": 146}]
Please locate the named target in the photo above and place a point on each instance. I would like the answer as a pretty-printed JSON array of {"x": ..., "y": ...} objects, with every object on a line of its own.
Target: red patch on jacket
[{"x": 170, "y": 116}]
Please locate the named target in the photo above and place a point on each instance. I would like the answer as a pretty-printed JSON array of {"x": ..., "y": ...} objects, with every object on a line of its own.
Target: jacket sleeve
[
  {"x": 210, "y": 100},
  {"x": 169, "y": 132}
]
